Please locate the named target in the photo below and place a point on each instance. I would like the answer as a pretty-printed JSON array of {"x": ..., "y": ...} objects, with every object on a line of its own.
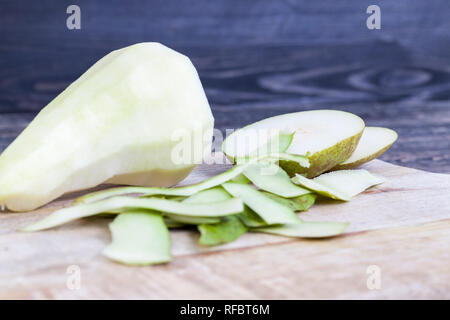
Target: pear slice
[
  {"x": 340, "y": 185},
  {"x": 125, "y": 120},
  {"x": 373, "y": 143},
  {"x": 326, "y": 137}
]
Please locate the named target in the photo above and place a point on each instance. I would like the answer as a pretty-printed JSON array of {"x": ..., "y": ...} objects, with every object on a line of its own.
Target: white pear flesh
[
  {"x": 326, "y": 137},
  {"x": 340, "y": 185},
  {"x": 120, "y": 122},
  {"x": 373, "y": 143}
]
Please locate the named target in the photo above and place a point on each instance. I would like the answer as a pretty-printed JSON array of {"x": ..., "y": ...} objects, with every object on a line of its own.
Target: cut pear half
[
  {"x": 373, "y": 143},
  {"x": 326, "y": 137}
]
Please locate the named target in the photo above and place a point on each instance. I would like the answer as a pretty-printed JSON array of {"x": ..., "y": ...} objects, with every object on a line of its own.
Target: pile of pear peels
[{"x": 255, "y": 195}]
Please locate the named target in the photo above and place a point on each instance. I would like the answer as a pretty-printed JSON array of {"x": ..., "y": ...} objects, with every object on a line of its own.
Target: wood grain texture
[
  {"x": 406, "y": 92},
  {"x": 228, "y": 22},
  {"x": 255, "y": 59},
  {"x": 401, "y": 226}
]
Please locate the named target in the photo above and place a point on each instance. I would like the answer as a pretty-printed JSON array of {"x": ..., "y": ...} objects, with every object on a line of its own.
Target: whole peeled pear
[{"x": 121, "y": 122}]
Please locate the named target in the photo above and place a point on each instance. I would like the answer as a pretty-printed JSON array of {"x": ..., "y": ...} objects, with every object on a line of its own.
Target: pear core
[{"x": 122, "y": 121}]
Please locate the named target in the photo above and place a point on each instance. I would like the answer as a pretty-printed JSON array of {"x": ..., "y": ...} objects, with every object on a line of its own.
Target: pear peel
[
  {"x": 271, "y": 178},
  {"x": 340, "y": 185},
  {"x": 278, "y": 143},
  {"x": 300, "y": 203},
  {"x": 177, "y": 191},
  {"x": 306, "y": 229},
  {"x": 206, "y": 196},
  {"x": 65, "y": 215},
  {"x": 190, "y": 189},
  {"x": 183, "y": 219},
  {"x": 139, "y": 238},
  {"x": 269, "y": 210},
  {"x": 120, "y": 121},
  {"x": 228, "y": 229},
  {"x": 373, "y": 143},
  {"x": 120, "y": 115}
]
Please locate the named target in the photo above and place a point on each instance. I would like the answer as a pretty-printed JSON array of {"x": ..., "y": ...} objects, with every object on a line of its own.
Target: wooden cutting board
[{"x": 399, "y": 234}]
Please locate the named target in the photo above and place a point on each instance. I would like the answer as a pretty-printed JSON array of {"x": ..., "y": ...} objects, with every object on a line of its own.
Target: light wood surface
[{"x": 401, "y": 227}]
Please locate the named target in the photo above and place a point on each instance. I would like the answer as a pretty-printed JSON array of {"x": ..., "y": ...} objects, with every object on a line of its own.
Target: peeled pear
[
  {"x": 373, "y": 143},
  {"x": 325, "y": 137},
  {"x": 122, "y": 121}
]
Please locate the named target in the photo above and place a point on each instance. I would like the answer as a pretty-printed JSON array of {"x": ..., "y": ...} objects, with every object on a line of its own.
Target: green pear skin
[
  {"x": 373, "y": 143},
  {"x": 324, "y": 160}
]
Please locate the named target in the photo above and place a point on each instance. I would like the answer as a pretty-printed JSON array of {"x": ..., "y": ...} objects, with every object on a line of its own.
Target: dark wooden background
[{"x": 255, "y": 59}]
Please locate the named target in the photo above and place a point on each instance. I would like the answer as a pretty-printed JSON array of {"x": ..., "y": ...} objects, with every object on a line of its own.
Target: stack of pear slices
[{"x": 258, "y": 194}]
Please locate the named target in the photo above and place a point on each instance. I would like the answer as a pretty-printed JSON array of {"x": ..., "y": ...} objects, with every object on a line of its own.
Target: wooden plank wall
[{"x": 255, "y": 58}]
